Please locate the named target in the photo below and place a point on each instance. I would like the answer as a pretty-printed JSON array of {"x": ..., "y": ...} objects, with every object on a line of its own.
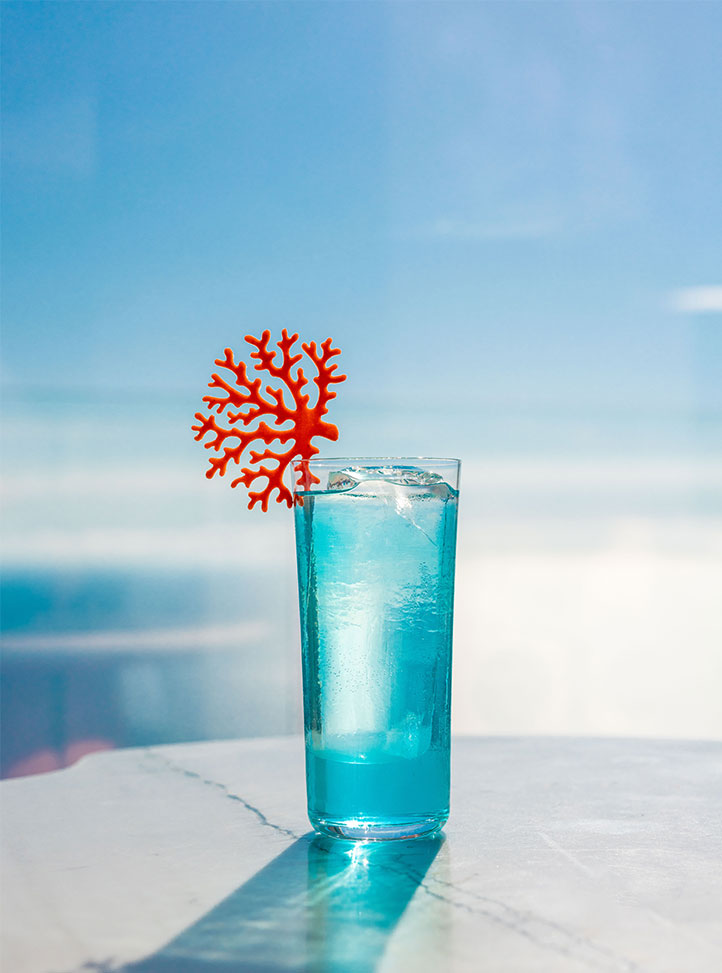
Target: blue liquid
[{"x": 376, "y": 578}]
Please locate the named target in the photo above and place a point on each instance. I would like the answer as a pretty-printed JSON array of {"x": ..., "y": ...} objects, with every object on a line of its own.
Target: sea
[{"x": 143, "y": 603}]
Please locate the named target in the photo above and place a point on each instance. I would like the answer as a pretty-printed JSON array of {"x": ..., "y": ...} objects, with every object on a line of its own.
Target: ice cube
[
  {"x": 345, "y": 479},
  {"x": 411, "y": 476},
  {"x": 399, "y": 487},
  {"x": 352, "y": 476}
]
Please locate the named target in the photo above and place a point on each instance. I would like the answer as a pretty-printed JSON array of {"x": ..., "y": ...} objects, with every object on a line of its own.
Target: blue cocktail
[{"x": 376, "y": 543}]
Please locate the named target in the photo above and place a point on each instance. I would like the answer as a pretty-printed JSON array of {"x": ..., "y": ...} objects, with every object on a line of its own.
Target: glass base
[{"x": 387, "y": 829}]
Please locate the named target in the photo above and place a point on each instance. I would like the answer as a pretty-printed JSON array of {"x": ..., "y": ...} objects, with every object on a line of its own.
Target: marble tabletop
[{"x": 560, "y": 855}]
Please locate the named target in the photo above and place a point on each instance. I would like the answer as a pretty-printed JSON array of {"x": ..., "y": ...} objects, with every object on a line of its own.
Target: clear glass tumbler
[{"x": 376, "y": 549}]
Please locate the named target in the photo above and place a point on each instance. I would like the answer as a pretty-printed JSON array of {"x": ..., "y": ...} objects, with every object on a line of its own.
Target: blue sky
[
  {"x": 508, "y": 217},
  {"x": 493, "y": 203}
]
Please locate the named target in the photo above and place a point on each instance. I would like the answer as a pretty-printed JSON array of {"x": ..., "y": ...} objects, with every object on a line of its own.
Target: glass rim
[
  {"x": 391, "y": 460},
  {"x": 312, "y": 469}
]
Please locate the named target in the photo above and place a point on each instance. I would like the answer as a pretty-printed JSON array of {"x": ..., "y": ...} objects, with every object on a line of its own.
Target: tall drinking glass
[{"x": 376, "y": 546}]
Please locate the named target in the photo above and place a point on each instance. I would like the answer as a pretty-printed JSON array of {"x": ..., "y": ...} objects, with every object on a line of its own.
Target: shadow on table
[{"x": 324, "y": 905}]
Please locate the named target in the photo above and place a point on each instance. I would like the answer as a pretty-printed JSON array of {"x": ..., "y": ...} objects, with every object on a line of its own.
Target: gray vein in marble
[
  {"x": 177, "y": 769},
  {"x": 516, "y": 921},
  {"x": 577, "y": 946}
]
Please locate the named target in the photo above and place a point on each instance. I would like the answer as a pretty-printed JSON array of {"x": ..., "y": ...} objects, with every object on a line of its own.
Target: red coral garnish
[{"x": 252, "y": 403}]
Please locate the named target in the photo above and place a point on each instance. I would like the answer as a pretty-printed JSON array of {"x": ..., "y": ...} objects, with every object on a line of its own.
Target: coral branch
[{"x": 251, "y": 400}]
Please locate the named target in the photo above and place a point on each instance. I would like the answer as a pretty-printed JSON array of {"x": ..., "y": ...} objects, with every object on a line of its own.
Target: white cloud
[
  {"x": 698, "y": 300},
  {"x": 172, "y": 639},
  {"x": 202, "y": 546},
  {"x": 113, "y": 483}
]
